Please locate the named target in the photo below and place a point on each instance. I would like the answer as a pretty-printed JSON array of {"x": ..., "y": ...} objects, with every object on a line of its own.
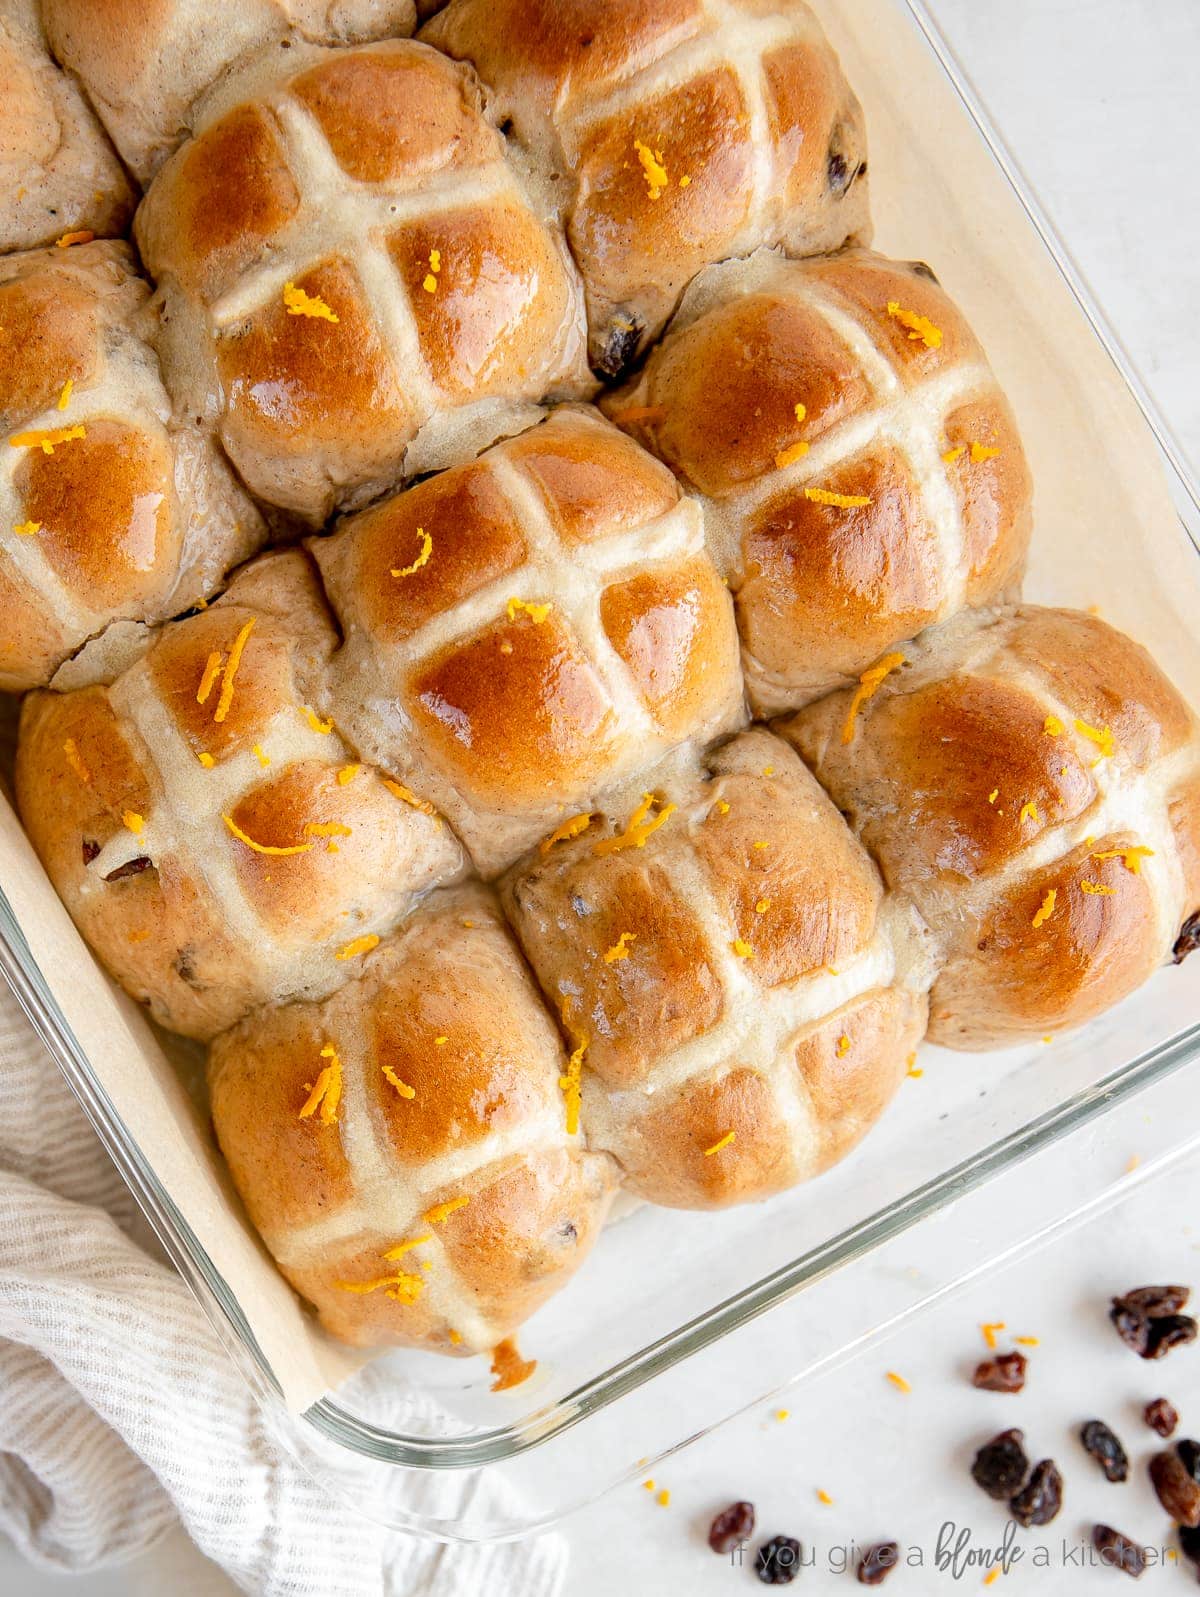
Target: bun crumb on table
[{"x": 455, "y": 828}]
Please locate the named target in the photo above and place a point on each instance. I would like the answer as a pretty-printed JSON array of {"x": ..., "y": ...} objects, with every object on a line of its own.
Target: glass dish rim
[{"x": 501, "y": 1443}]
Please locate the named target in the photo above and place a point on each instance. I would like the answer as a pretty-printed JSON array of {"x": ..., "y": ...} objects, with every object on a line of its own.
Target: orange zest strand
[
  {"x": 315, "y": 721},
  {"x": 327, "y": 1090},
  {"x": 212, "y": 670},
  {"x": 81, "y": 235},
  {"x": 441, "y": 1212},
  {"x": 537, "y": 613},
  {"x": 231, "y": 670},
  {"x": 133, "y": 822},
  {"x": 1101, "y": 736},
  {"x": 620, "y": 949},
  {"x": 868, "y": 686},
  {"x": 790, "y": 455},
  {"x": 723, "y": 1143},
  {"x": 263, "y": 848},
  {"x": 422, "y": 558},
  {"x": 402, "y": 1087},
  {"x": 653, "y": 167},
  {"x": 1131, "y": 858},
  {"x": 299, "y": 303},
  {"x": 64, "y": 399},
  {"x": 899, "y": 1382},
  {"x": 825, "y": 496},
  {"x": 919, "y": 327},
  {"x": 47, "y": 440},
  {"x": 989, "y": 1330},
  {"x": 569, "y": 829},
  {"x": 639, "y": 828},
  {"x": 360, "y": 945},
  {"x": 75, "y": 761},
  {"x": 1047, "y": 909},
  {"x": 571, "y": 1086},
  {"x": 398, "y": 790}
]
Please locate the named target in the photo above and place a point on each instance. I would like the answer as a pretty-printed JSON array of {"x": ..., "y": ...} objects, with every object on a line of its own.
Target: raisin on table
[
  {"x": 1188, "y": 1452},
  {"x": 1177, "y": 1491},
  {"x": 1000, "y": 1466},
  {"x": 732, "y": 1525},
  {"x": 1155, "y": 1300},
  {"x": 1162, "y": 1416},
  {"x": 1003, "y": 1374},
  {"x": 1118, "y": 1551},
  {"x": 1039, "y": 1502},
  {"x": 1106, "y": 1449},
  {"x": 778, "y": 1561},
  {"x": 1168, "y": 1331},
  {"x": 877, "y": 1563}
]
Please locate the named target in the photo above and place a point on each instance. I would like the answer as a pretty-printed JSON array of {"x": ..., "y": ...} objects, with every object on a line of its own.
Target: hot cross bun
[
  {"x": 528, "y": 632},
  {"x": 215, "y": 840},
  {"x": 1032, "y": 781},
  {"x": 743, "y": 998},
  {"x": 355, "y": 277},
  {"x": 403, "y": 1145},
  {"x": 111, "y": 507},
  {"x": 677, "y": 132},
  {"x": 861, "y": 468}
]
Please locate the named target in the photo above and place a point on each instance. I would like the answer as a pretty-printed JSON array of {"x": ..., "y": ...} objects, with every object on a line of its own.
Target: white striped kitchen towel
[{"x": 120, "y": 1414}]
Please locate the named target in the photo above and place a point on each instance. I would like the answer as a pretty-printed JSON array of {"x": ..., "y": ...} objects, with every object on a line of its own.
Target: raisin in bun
[
  {"x": 59, "y": 175},
  {"x": 110, "y": 507},
  {"x": 678, "y": 133},
  {"x": 741, "y": 994},
  {"x": 355, "y": 278},
  {"x": 403, "y": 1146},
  {"x": 214, "y": 840},
  {"x": 862, "y": 469},
  {"x": 527, "y": 632},
  {"x": 145, "y": 62},
  {"x": 1032, "y": 781}
]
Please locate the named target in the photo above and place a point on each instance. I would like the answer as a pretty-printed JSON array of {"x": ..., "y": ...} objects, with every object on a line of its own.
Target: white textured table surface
[{"x": 1097, "y": 99}]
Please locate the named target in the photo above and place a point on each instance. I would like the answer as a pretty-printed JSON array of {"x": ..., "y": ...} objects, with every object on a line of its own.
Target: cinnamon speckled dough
[
  {"x": 448, "y": 1067},
  {"x": 356, "y": 281},
  {"x": 58, "y": 172},
  {"x": 739, "y": 971},
  {"x": 527, "y": 632},
  {"x": 678, "y": 132},
  {"x": 144, "y": 63},
  {"x": 1032, "y": 781},
  {"x": 130, "y": 820},
  {"x": 897, "y": 407},
  {"x": 132, "y": 513}
]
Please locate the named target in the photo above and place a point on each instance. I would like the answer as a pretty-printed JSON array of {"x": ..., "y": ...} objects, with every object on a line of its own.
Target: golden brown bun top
[
  {"x": 145, "y": 62},
  {"x": 108, "y": 508},
  {"x": 367, "y": 262},
  {"x": 215, "y": 839},
  {"x": 58, "y": 173},
  {"x": 448, "y": 1068},
  {"x": 866, "y": 471},
  {"x": 526, "y": 630},
  {"x": 1032, "y": 780},
  {"x": 682, "y": 135}
]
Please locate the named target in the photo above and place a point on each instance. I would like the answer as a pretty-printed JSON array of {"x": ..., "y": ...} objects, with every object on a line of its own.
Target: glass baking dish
[{"x": 664, "y": 1333}]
